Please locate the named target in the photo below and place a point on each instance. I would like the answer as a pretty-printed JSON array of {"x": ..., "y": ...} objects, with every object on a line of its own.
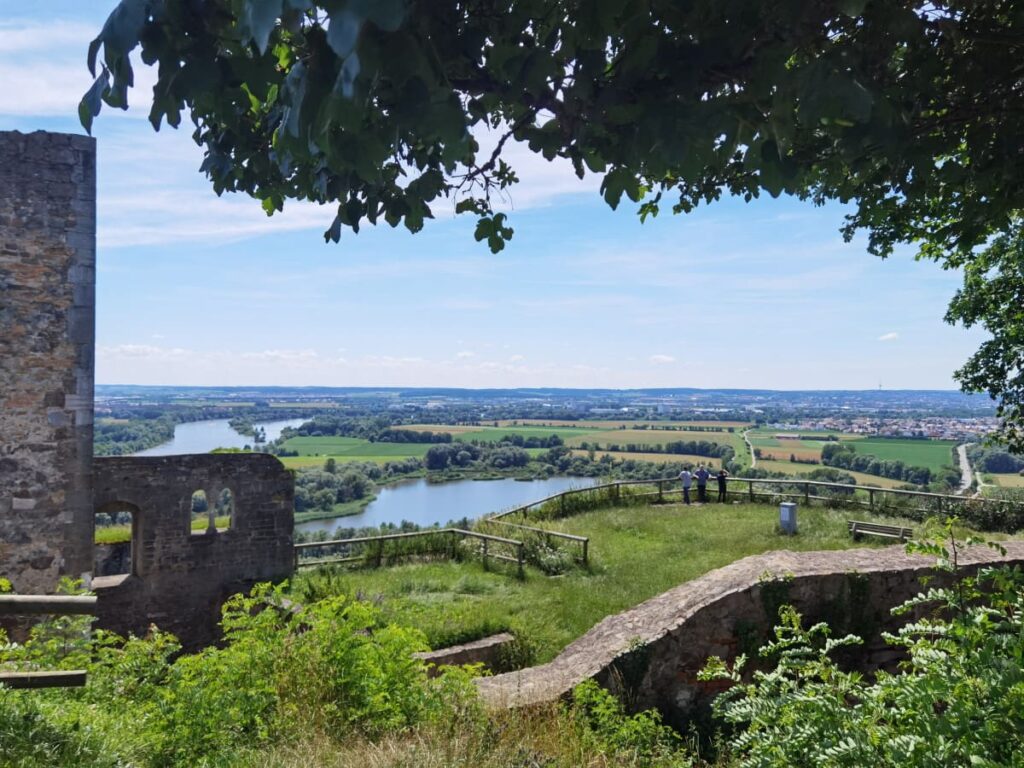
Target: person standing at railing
[
  {"x": 687, "y": 478},
  {"x": 702, "y": 476},
  {"x": 722, "y": 475}
]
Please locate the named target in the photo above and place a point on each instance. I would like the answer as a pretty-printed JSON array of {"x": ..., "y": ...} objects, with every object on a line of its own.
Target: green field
[
  {"x": 622, "y": 437},
  {"x": 1005, "y": 480},
  {"x": 655, "y": 458},
  {"x": 455, "y": 602},
  {"x": 862, "y": 478},
  {"x": 933, "y": 454},
  {"x": 351, "y": 449},
  {"x": 495, "y": 434}
]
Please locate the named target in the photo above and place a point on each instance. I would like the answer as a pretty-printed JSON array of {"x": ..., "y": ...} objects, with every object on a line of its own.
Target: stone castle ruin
[{"x": 51, "y": 486}]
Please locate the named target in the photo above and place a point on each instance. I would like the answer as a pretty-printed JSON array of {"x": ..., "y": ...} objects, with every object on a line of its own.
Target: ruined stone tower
[{"x": 47, "y": 289}]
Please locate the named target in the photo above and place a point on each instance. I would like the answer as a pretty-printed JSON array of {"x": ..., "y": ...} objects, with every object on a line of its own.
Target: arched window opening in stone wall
[
  {"x": 116, "y": 539},
  {"x": 202, "y": 514},
  {"x": 224, "y": 510}
]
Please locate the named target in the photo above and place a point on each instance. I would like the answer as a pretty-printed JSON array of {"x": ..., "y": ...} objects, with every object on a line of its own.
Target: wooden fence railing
[
  {"x": 750, "y": 489},
  {"x": 34, "y": 605},
  {"x": 375, "y": 545},
  {"x": 544, "y": 533},
  {"x": 868, "y": 496}
]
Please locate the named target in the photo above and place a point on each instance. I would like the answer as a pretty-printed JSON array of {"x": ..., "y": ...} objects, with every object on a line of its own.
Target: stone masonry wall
[
  {"x": 650, "y": 654},
  {"x": 47, "y": 268},
  {"x": 180, "y": 578}
]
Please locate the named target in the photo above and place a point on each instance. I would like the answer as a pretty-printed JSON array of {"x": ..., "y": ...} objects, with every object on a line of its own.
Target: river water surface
[
  {"x": 426, "y": 503},
  {"x": 204, "y": 436}
]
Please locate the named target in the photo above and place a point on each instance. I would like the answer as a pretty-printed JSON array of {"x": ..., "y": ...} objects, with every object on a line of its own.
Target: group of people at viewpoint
[{"x": 702, "y": 475}]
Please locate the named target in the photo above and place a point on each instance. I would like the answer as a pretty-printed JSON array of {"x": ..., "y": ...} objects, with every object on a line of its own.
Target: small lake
[
  {"x": 204, "y": 436},
  {"x": 426, "y": 503}
]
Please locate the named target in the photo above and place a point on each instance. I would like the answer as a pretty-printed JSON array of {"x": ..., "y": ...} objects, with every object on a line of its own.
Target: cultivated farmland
[
  {"x": 654, "y": 458},
  {"x": 933, "y": 454}
]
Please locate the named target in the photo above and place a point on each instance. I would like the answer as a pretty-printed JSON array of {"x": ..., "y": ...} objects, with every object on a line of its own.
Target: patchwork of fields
[
  {"x": 656, "y": 458},
  {"x": 776, "y": 451}
]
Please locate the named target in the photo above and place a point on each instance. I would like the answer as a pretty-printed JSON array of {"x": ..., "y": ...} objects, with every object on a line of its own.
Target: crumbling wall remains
[
  {"x": 650, "y": 655},
  {"x": 47, "y": 278},
  {"x": 180, "y": 578}
]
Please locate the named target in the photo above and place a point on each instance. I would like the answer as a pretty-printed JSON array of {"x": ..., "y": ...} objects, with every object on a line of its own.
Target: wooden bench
[{"x": 859, "y": 528}]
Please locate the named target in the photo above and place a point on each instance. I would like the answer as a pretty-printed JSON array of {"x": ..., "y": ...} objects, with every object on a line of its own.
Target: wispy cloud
[
  {"x": 891, "y": 336},
  {"x": 662, "y": 359}
]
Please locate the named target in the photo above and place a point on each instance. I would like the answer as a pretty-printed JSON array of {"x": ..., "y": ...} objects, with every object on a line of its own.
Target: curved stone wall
[{"x": 650, "y": 654}]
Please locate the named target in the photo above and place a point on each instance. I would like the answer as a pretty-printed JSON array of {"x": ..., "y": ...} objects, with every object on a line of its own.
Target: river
[
  {"x": 204, "y": 436},
  {"x": 426, "y": 503}
]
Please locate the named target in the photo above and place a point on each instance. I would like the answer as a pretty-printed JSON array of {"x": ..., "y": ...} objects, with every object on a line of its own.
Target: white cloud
[
  {"x": 464, "y": 354},
  {"x": 517, "y": 358},
  {"x": 662, "y": 359},
  {"x": 891, "y": 336}
]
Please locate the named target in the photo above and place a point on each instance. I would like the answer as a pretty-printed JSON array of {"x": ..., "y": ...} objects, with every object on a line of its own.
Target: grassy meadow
[
  {"x": 777, "y": 452},
  {"x": 654, "y": 458},
  {"x": 117, "y": 534},
  {"x": 636, "y": 553},
  {"x": 862, "y": 478},
  {"x": 313, "y": 451},
  {"x": 934, "y": 454},
  {"x": 1013, "y": 480}
]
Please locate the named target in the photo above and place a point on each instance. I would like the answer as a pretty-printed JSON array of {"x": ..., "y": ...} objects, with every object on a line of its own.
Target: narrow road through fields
[
  {"x": 753, "y": 458},
  {"x": 966, "y": 472}
]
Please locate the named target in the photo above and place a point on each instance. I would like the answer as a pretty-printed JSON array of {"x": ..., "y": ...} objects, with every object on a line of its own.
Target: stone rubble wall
[
  {"x": 180, "y": 578},
  {"x": 650, "y": 655},
  {"x": 47, "y": 297},
  {"x": 488, "y": 651}
]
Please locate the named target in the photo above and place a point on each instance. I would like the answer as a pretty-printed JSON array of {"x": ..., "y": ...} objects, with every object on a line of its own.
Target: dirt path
[
  {"x": 753, "y": 458},
  {"x": 966, "y": 471}
]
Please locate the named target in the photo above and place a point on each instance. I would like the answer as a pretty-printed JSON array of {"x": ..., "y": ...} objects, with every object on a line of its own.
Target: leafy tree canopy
[{"x": 907, "y": 110}]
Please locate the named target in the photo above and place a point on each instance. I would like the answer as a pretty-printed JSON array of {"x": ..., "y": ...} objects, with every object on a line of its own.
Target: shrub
[{"x": 958, "y": 701}]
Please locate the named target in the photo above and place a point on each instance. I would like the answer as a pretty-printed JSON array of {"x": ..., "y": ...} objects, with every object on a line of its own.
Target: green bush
[
  {"x": 640, "y": 739},
  {"x": 958, "y": 701},
  {"x": 332, "y": 667}
]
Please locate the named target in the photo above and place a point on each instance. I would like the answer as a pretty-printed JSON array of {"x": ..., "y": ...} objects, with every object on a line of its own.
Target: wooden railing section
[
  {"x": 871, "y": 497},
  {"x": 34, "y": 605},
  {"x": 653, "y": 491},
  {"x": 374, "y": 546}
]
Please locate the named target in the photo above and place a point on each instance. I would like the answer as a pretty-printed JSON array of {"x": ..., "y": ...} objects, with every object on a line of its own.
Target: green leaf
[
  {"x": 258, "y": 20},
  {"x": 387, "y": 15},
  {"x": 122, "y": 28},
  {"x": 94, "y": 48},
  {"x": 345, "y": 84},
  {"x": 92, "y": 101},
  {"x": 343, "y": 33}
]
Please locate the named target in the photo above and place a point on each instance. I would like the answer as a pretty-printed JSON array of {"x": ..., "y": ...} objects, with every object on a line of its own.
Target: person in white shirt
[{"x": 687, "y": 477}]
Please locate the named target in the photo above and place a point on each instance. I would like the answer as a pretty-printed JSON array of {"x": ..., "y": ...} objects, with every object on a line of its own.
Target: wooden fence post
[
  {"x": 520, "y": 557},
  {"x": 586, "y": 542},
  {"x": 750, "y": 490},
  {"x": 871, "y": 499},
  {"x": 807, "y": 494},
  {"x": 661, "y": 491}
]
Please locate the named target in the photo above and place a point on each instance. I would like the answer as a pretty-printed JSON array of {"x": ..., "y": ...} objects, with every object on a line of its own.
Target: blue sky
[{"x": 195, "y": 289}]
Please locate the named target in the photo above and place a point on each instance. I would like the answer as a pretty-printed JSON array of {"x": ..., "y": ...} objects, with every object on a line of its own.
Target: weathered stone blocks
[
  {"x": 180, "y": 578},
  {"x": 47, "y": 259}
]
